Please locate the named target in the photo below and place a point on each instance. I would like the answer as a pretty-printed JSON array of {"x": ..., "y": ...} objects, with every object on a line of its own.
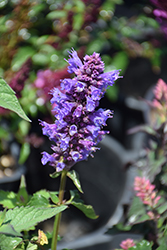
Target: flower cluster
[
  {"x": 78, "y": 125},
  {"x": 126, "y": 244},
  {"x": 145, "y": 191},
  {"x": 160, "y": 100}
]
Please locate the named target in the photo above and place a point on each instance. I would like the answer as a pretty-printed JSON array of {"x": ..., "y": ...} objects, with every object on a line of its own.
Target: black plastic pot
[{"x": 106, "y": 185}]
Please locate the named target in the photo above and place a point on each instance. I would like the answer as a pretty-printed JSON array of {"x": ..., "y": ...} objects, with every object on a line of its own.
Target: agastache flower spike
[
  {"x": 126, "y": 244},
  {"x": 145, "y": 191},
  {"x": 78, "y": 125}
]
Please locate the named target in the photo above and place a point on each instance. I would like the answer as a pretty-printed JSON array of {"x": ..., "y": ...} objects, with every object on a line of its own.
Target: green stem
[{"x": 58, "y": 216}]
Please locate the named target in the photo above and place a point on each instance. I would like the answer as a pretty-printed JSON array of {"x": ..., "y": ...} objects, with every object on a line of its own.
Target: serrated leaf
[
  {"x": 22, "y": 195},
  {"x": 38, "y": 201},
  {"x": 8, "y": 229},
  {"x": 86, "y": 209},
  {"x": 8, "y": 199},
  {"x": 23, "y": 218},
  {"x": 2, "y": 216},
  {"x": 9, "y": 101},
  {"x": 75, "y": 178},
  {"x": 44, "y": 193},
  {"x": 9, "y": 242}
]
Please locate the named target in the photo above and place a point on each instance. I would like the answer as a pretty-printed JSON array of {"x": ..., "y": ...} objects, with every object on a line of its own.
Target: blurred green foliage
[{"x": 37, "y": 35}]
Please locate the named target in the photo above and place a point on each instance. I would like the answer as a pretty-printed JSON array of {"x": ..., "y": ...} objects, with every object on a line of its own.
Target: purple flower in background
[
  {"x": 78, "y": 124},
  {"x": 161, "y": 14}
]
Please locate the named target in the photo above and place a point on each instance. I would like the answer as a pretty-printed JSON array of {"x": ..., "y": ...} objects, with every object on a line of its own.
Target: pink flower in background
[
  {"x": 160, "y": 91},
  {"x": 145, "y": 191},
  {"x": 126, "y": 244},
  {"x": 47, "y": 80},
  {"x": 160, "y": 100},
  {"x": 161, "y": 14}
]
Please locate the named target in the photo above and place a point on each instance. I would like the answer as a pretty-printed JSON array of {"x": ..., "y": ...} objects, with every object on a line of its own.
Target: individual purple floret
[{"x": 78, "y": 124}]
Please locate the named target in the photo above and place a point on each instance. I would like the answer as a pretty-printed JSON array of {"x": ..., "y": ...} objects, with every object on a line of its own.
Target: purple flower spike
[{"x": 78, "y": 124}]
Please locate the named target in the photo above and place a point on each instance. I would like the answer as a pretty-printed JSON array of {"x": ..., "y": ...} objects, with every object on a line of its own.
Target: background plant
[
  {"x": 36, "y": 36},
  {"x": 147, "y": 213}
]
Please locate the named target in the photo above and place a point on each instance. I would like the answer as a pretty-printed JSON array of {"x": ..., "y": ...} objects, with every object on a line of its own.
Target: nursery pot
[
  {"x": 106, "y": 185},
  {"x": 10, "y": 170}
]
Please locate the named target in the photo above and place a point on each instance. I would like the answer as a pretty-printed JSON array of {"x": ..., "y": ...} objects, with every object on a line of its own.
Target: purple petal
[
  {"x": 47, "y": 158},
  {"x": 73, "y": 130},
  {"x": 74, "y": 62},
  {"x": 90, "y": 104},
  {"x": 75, "y": 155}
]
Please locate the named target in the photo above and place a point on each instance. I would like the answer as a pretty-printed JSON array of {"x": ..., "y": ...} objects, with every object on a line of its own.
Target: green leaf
[
  {"x": 46, "y": 193},
  {"x": 73, "y": 195},
  {"x": 3, "y": 133},
  {"x": 9, "y": 101},
  {"x": 55, "y": 174},
  {"x": 121, "y": 61},
  {"x": 41, "y": 59},
  {"x": 21, "y": 246},
  {"x": 143, "y": 245},
  {"x": 9, "y": 242},
  {"x": 112, "y": 93},
  {"x": 162, "y": 247},
  {"x": 8, "y": 229},
  {"x": 162, "y": 241},
  {"x": 22, "y": 196},
  {"x": 2, "y": 216},
  {"x": 163, "y": 179},
  {"x": 31, "y": 246},
  {"x": 162, "y": 208},
  {"x": 75, "y": 178},
  {"x": 24, "y": 152},
  {"x": 155, "y": 164},
  {"x": 54, "y": 198},
  {"x": 23, "y": 218},
  {"x": 38, "y": 201},
  {"x": 8, "y": 199},
  {"x": 78, "y": 20},
  {"x": 142, "y": 128},
  {"x": 23, "y": 53},
  {"x": 137, "y": 212},
  {"x": 86, "y": 209},
  {"x": 56, "y": 14}
]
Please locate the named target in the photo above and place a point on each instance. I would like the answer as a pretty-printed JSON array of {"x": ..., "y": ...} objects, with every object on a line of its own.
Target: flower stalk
[{"x": 58, "y": 216}]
